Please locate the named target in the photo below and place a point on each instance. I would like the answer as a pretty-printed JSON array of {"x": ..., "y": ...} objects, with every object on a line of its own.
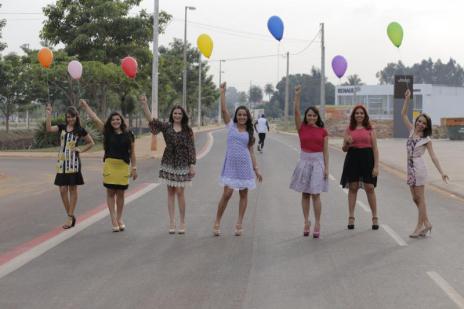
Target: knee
[
  {"x": 316, "y": 197},
  {"x": 305, "y": 196},
  {"x": 63, "y": 189},
  {"x": 353, "y": 188},
  {"x": 369, "y": 189},
  {"x": 243, "y": 194},
  {"x": 227, "y": 195}
]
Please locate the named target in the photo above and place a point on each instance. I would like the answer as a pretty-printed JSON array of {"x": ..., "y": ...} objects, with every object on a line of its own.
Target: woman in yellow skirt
[{"x": 119, "y": 161}]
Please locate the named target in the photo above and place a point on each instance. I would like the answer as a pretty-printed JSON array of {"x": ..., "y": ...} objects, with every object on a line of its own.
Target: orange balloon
[{"x": 45, "y": 57}]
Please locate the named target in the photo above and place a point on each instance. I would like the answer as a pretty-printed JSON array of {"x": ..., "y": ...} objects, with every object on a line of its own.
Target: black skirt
[
  {"x": 358, "y": 166},
  {"x": 74, "y": 179}
]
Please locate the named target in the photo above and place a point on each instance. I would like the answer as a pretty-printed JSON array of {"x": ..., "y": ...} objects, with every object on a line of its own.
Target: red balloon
[{"x": 129, "y": 66}]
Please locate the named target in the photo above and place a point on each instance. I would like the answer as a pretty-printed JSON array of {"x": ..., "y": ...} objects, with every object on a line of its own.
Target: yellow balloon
[{"x": 205, "y": 45}]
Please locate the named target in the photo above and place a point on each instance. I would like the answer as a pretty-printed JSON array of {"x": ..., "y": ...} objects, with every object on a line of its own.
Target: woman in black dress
[
  {"x": 178, "y": 163},
  {"x": 68, "y": 167},
  {"x": 119, "y": 154}
]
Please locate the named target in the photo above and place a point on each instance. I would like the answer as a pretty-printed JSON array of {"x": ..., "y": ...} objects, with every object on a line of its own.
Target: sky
[{"x": 355, "y": 29}]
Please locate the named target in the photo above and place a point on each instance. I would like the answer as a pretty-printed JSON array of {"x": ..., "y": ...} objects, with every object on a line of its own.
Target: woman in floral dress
[{"x": 178, "y": 163}]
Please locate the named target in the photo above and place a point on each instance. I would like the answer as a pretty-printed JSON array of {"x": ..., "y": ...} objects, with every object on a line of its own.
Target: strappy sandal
[{"x": 73, "y": 223}]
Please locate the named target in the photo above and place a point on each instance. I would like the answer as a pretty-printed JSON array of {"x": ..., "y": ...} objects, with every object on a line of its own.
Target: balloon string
[
  {"x": 48, "y": 86},
  {"x": 78, "y": 90},
  {"x": 278, "y": 62}
]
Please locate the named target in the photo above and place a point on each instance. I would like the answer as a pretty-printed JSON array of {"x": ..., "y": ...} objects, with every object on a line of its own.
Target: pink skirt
[{"x": 308, "y": 176}]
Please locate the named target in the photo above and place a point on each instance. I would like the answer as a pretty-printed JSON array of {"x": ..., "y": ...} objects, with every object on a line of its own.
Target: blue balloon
[{"x": 276, "y": 27}]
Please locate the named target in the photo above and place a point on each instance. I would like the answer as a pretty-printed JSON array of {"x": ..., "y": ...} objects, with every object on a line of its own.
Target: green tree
[
  {"x": 101, "y": 30},
  {"x": 353, "y": 80},
  {"x": 256, "y": 95},
  {"x": 2, "y": 24},
  {"x": 269, "y": 91}
]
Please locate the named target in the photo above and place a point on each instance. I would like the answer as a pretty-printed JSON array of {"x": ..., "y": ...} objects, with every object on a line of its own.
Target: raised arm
[
  {"x": 48, "y": 120},
  {"x": 85, "y": 106},
  {"x": 146, "y": 110},
  {"x": 297, "y": 106},
  {"x": 404, "y": 111},
  {"x": 224, "y": 111},
  {"x": 436, "y": 163}
]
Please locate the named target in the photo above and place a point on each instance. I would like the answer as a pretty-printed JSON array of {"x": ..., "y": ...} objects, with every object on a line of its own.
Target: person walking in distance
[
  {"x": 310, "y": 177},
  {"x": 119, "y": 146},
  {"x": 178, "y": 163},
  {"x": 239, "y": 169},
  {"x": 261, "y": 127},
  {"x": 418, "y": 141},
  {"x": 361, "y": 166},
  {"x": 68, "y": 167}
]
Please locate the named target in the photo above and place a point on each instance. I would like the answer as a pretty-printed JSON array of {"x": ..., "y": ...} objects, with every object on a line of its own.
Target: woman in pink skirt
[
  {"x": 419, "y": 141},
  {"x": 311, "y": 173}
]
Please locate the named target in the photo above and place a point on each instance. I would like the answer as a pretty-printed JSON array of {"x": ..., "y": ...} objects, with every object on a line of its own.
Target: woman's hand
[
  {"x": 407, "y": 94},
  {"x": 375, "y": 172},
  {"x": 49, "y": 109},
  {"x": 192, "y": 171},
  {"x": 258, "y": 175},
  {"x": 143, "y": 100},
  {"x": 83, "y": 104},
  {"x": 298, "y": 90},
  {"x": 223, "y": 87},
  {"x": 445, "y": 177},
  {"x": 133, "y": 173},
  {"x": 326, "y": 173}
]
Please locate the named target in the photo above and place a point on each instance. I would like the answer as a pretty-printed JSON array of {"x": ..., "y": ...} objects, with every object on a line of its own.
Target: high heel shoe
[
  {"x": 181, "y": 230},
  {"x": 238, "y": 230},
  {"x": 116, "y": 228},
  {"x": 122, "y": 226},
  {"x": 425, "y": 230},
  {"x": 416, "y": 233},
  {"x": 306, "y": 229},
  {"x": 316, "y": 232},
  {"x": 375, "y": 223},
  {"x": 216, "y": 230},
  {"x": 172, "y": 228},
  {"x": 350, "y": 223},
  {"x": 73, "y": 223}
]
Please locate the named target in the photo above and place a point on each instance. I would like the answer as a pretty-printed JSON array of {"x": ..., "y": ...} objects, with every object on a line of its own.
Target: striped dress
[{"x": 68, "y": 166}]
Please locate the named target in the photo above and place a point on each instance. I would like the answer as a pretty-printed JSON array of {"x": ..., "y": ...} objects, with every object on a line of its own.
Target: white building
[{"x": 436, "y": 101}]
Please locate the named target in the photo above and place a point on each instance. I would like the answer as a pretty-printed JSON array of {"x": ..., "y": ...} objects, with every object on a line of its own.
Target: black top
[{"x": 118, "y": 146}]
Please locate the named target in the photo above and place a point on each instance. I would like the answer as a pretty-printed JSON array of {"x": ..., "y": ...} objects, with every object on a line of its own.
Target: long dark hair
[
  {"x": 428, "y": 129},
  {"x": 72, "y": 111},
  {"x": 319, "y": 121},
  {"x": 185, "y": 119},
  {"x": 366, "y": 123},
  {"x": 108, "y": 128},
  {"x": 249, "y": 124}
]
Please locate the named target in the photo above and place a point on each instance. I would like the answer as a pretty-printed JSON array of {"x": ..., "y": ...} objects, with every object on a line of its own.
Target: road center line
[
  {"x": 24, "y": 253},
  {"x": 447, "y": 288}
]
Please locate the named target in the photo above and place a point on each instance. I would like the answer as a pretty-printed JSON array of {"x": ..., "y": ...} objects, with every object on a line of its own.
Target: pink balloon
[{"x": 75, "y": 69}]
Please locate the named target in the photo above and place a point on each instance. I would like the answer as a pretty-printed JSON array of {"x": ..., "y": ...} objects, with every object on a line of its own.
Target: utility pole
[
  {"x": 154, "y": 74},
  {"x": 322, "y": 73},
  {"x": 286, "y": 92},
  {"x": 220, "y": 82},
  {"x": 199, "y": 92},
  {"x": 184, "y": 81}
]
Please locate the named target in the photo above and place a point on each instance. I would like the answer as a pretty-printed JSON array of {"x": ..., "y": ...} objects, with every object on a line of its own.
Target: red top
[
  {"x": 362, "y": 138},
  {"x": 312, "y": 138}
]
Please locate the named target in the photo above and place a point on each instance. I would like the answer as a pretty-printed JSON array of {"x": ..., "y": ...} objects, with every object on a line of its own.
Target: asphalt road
[{"x": 270, "y": 266}]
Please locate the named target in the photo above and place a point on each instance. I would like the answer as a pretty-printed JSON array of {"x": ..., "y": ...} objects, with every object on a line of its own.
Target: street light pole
[
  {"x": 220, "y": 82},
  {"x": 184, "y": 84},
  {"x": 199, "y": 92},
  {"x": 322, "y": 109},
  {"x": 154, "y": 74}
]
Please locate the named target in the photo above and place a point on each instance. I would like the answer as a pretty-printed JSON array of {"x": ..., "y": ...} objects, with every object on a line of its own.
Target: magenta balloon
[
  {"x": 75, "y": 69},
  {"x": 339, "y": 65}
]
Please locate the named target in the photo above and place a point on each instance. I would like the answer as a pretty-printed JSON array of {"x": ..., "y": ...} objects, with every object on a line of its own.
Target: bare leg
[
  {"x": 370, "y": 192},
  {"x": 111, "y": 202},
  {"x": 423, "y": 217},
  {"x": 65, "y": 198},
  {"x": 317, "y": 210},
  {"x": 181, "y": 201},
  {"x": 226, "y": 195},
  {"x": 352, "y": 195},
  {"x": 171, "y": 209},
  {"x": 242, "y": 205},
  {"x": 119, "y": 206},
  {"x": 72, "y": 199}
]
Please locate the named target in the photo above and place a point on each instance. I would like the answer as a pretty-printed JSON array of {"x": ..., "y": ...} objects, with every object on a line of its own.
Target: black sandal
[
  {"x": 350, "y": 225},
  {"x": 375, "y": 226},
  {"x": 73, "y": 223}
]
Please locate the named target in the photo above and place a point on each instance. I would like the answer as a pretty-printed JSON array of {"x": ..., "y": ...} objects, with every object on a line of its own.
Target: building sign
[
  {"x": 402, "y": 83},
  {"x": 348, "y": 90}
]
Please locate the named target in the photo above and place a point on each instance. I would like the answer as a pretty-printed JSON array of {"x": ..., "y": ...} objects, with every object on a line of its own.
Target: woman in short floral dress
[
  {"x": 239, "y": 169},
  {"x": 179, "y": 158},
  {"x": 419, "y": 141}
]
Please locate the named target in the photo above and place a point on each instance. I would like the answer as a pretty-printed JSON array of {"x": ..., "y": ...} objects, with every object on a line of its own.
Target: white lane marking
[
  {"x": 363, "y": 206},
  {"x": 40, "y": 249},
  {"x": 447, "y": 288},
  {"x": 394, "y": 235},
  {"x": 331, "y": 177},
  {"x": 209, "y": 145}
]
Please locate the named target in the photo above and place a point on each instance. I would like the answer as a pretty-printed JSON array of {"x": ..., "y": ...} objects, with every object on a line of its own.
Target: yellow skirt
[{"x": 116, "y": 174}]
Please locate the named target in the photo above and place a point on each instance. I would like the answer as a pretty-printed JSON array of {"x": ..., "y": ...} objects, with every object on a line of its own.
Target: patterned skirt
[
  {"x": 417, "y": 172},
  {"x": 175, "y": 176},
  {"x": 308, "y": 176}
]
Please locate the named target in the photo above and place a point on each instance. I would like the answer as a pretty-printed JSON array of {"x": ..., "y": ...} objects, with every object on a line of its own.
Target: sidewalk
[
  {"x": 142, "y": 147},
  {"x": 450, "y": 154}
]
